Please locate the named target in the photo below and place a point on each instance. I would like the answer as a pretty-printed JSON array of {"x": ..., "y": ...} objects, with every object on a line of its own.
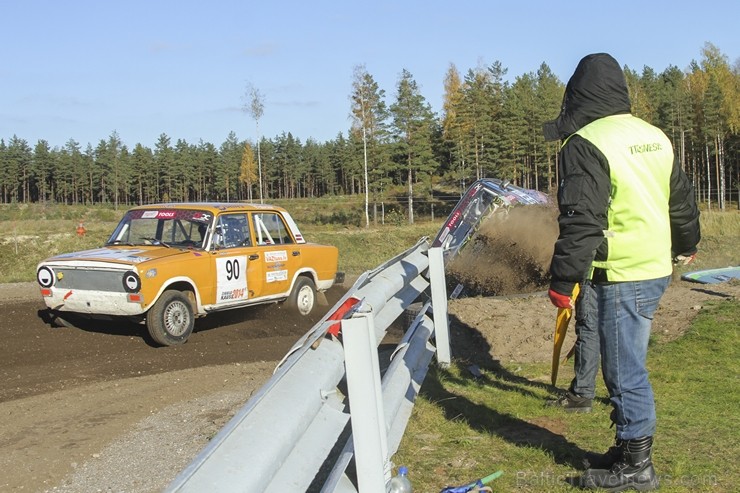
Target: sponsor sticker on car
[
  {"x": 276, "y": 276},
  {"x": 279, "y": 256}
]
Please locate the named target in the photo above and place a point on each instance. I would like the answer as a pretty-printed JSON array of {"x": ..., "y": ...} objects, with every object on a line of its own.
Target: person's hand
[
  {"x": 684, "y": 259},
  {"x": 560, "y": 300}
]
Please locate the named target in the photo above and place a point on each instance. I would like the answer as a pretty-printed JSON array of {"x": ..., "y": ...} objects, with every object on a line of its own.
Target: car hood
[{"x": 124, "y": 255}]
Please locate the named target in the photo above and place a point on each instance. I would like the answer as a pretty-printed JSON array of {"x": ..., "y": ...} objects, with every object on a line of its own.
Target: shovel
[{"x": 561, "y": 327}]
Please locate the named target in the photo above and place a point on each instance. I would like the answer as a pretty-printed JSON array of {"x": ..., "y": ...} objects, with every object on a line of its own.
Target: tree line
[{"x": 488, "y": 127}]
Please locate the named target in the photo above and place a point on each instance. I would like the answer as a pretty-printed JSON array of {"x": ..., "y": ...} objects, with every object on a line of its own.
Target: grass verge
[{"x": 463, "y": 428}]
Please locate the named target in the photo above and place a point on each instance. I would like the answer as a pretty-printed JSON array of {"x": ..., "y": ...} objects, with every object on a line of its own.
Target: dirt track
[{"x": 100, "y": 409}]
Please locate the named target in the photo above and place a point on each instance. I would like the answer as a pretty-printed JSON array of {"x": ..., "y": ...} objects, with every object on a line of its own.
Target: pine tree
[
  {"x": 340, "y": 160},
  {"x": 142, "y": 164},
  {"x": 209, "y": 174},
  {"x": 18, "y": 168},
  {"x": 185, "y": 183},
  {"x": 230, "y": 154},
  {"x": 42, "y": 170},
  {"x": 549, "y": 92},
  {"x": 477, "y": 113},
  {"x": 412, "y": 124},
  {"x": 454, "y": 127},
  {"x": 517, "y": 132},
  {"x": 71, "y": 175}
]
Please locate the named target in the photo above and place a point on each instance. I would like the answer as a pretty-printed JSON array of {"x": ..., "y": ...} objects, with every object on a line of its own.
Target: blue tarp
[{"x": 713, "y": 276}]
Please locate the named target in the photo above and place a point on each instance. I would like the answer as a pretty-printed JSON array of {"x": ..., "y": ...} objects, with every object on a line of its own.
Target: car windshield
[{"x": 187, "y": 228}]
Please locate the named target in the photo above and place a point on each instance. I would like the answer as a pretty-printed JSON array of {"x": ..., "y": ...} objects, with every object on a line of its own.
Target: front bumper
[{"x": 92, "y": 302}]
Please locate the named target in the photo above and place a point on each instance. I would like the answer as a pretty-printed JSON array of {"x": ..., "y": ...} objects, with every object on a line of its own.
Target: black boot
[
  {"x": 605, "y": 460},
  {"x": 572, "y": 403},
  {"x": 634, "y": 470}
]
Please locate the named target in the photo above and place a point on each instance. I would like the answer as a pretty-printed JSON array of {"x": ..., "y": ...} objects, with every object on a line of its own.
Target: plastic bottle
[{"x": 401, "y": 483}]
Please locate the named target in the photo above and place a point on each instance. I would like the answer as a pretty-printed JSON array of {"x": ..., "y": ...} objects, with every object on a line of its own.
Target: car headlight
[
  {"x": 45, "y": 277},
  {"x": 131, "y": 282}
]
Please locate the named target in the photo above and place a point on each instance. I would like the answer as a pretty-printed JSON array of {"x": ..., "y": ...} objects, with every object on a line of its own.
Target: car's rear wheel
[
  {"x": 170, "y": 321},
  {"x": 303, "y": 296}
]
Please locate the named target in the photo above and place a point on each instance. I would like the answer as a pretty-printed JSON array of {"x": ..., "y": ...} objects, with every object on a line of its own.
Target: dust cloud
[{"x": 510, "y": 253}]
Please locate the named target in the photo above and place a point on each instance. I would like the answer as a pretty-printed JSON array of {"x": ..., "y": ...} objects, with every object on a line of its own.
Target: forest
[{"x": 396, "y": 148}]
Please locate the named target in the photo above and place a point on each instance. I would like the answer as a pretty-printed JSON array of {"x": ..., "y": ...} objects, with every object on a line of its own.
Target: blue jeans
[
  {"x": 625, "y": 311},
  {"x": 587, "y": 347}
]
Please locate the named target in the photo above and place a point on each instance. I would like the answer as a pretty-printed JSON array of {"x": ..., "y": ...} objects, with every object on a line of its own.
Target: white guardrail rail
[{"x": 297, "y": 432}]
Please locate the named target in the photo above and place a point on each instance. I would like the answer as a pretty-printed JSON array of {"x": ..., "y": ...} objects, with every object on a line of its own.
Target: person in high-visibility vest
[{"x": 627, "y": 210}]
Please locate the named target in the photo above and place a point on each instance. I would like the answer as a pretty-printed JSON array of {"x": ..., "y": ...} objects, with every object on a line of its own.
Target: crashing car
[
  {"x": 484, "y": 197},
  {"x": 168, "y": 264}
]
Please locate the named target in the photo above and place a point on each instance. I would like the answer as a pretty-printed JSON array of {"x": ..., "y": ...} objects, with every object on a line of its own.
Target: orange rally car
[{"x": 167, "y": 264}]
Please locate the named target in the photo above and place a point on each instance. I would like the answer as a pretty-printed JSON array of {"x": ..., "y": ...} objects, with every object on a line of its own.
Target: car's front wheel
[
  {"x": 303, "y": 296},
  {"x": 170, "y": 321}
]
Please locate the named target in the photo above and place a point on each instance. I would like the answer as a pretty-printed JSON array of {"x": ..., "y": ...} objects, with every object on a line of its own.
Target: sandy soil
[{"x": 100, "y": 409}]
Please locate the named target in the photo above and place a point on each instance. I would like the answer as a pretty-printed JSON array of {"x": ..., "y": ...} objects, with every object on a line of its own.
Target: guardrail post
[
  {"x": 366, "y": 403},
  {"x": 439, "y": 305}
]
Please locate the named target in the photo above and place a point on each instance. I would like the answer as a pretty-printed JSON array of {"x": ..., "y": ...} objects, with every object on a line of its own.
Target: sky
[{"x": 83, "y": 69}]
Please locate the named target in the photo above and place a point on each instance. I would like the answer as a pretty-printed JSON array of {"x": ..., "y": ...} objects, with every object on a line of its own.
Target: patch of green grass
[
  {"x": 330, "y": 210},
  {"x": 464, "y": 428},
  {"x": 698, "y": 400}
]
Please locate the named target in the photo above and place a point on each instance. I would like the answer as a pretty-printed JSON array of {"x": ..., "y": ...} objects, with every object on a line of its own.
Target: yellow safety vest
[{"x": 640, "y": 160}]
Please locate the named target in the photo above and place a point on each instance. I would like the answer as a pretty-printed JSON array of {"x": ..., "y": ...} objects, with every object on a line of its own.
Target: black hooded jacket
[{"x": 598, "y": 89}]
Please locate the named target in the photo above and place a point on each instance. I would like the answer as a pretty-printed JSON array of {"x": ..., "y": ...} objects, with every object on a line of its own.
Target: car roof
[{"x": 214, "y": 207}]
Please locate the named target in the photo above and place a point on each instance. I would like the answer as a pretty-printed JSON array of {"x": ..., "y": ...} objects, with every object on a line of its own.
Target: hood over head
[{"x": 596, "y": 89}]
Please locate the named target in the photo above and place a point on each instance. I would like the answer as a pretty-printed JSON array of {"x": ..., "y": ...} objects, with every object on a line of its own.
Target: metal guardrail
[{"x": 297, "y": 432}]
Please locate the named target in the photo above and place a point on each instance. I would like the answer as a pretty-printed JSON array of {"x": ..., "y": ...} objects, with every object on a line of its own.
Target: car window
[
  {"x": 141, "y": 229},
  {"x": 172, "y": 227},
  {"x": 184, "y": 233},
  {"x": 232, "y": 231},
  {"x": 270, "y": 229}
]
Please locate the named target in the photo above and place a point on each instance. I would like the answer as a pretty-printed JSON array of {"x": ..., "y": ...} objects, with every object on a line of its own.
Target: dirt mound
[{"x": 510, "y": 253}]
